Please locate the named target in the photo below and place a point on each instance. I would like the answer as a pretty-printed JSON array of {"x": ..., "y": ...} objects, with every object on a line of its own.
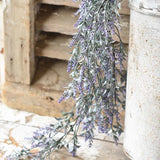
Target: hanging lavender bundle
[{"x": 98, "y": 82}]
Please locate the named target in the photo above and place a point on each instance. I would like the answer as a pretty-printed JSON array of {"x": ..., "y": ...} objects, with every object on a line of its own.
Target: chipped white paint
[
  {"x": 142, "y": 123},
  {"x": 41, "y": 121},
  {"x": 3, "y": 134},
  {"x": 6, "y": 149},
  {"x": 15, "y": 133},
  {"x": 153, "y": 5},
  {"x": 7, "y": 114},
  {"x": 23, "y": 135}
]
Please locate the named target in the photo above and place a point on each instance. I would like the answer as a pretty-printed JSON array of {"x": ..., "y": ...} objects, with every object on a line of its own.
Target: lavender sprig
[{"x": 98, "y": 82}]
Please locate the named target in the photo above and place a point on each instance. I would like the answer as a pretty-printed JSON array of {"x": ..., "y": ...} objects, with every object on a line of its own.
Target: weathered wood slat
[
  {"x": 1, "y": 49},
  {"x": 124, "y": 31},
  {"x": 51, "y": 75},
  {"x": 47, "y": 87},
  {"x": 54, "y": 46},
  {"x": 42, "y": 97},
  {"x": 19, "y": 41},
  {"x": 1, "y": 28},
  {"x": 61, "y": 2},
  {"x": 62, "y": 20},
  {"x": 57, "y": 19},
  {"x": 124, "y": 5},
  {"x": 125, "y": 23},
  {"x": 124, "y": 8}
]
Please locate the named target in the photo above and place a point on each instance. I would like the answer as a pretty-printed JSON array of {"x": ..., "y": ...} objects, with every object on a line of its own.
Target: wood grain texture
[
  {"x": 62, "y": 20},
  {"x": 19, "y": 41},
  {"x": 54, "y": 46},
  {"x": 34, "y": 99},
  {"x": 57, "y": 19},
  {"x": 124, "y": 8},
  {"x": 124, "y": 5},
  {"x": 1, "y": 48},
  {"x": 61, "y": 2},
  {"x": 124, "y": 30},
  {"x": 42, "y": 97},
  {"x": 1, "y": 28},
  {"x": 51, "y": 74}
]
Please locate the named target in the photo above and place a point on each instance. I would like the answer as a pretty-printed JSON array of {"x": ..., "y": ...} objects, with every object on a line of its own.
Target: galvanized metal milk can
[{"x": 142, "y": 121}]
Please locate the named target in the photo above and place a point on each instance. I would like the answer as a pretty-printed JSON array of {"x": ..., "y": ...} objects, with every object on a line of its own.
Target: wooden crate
[{"x": 36, "y": 53}]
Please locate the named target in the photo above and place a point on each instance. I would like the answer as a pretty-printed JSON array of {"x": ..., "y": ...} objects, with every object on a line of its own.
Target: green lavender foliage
[{"x": 97, "y": 86}]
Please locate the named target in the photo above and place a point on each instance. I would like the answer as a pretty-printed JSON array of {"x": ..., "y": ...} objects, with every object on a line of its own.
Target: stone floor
[{"x": 16, "y": 125}]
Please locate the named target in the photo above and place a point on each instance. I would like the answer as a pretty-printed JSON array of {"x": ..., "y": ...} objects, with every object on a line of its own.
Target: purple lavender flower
[
  {"x": 61, "y": 99},
  {"x": 94, "y": 66}
]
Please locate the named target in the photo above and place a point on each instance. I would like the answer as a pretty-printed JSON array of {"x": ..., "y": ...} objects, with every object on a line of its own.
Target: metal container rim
[{"x": 146, "y": 11}]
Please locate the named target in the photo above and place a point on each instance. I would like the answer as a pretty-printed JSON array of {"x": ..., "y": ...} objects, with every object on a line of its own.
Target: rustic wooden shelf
[
  {"x": 42, "y": 96},
  {"x": 54, "y": 45},
  {"x": 124, "y": 31},
  {"x": 62, "y": 19},
  {"x": 51, "y": 74},
  {"x": 124, "y": 4},
  {"x": 57, "y": 19},
  {"x": 124, "y": 8},
  {"x": 33, "y": 84},
  {"x": 61, "y": 2}
]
